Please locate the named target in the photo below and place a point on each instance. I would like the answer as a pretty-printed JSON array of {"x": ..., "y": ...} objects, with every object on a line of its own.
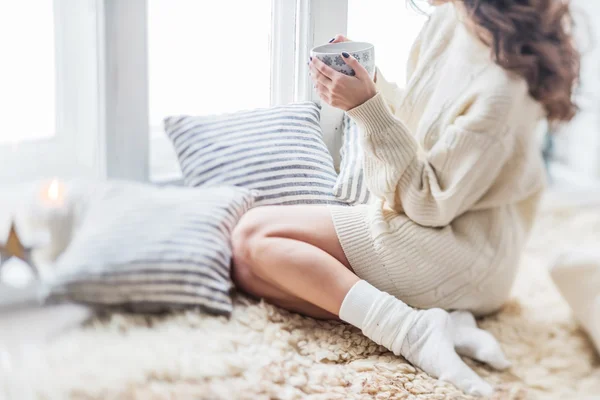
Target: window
[
  {"x": 49, "y": 96},
  {"x": 392, "y": 26},
  {"x": 204, "y": 58},
  {"x": 28, "y": 72},
  {"x": 208, "y": 57},
  {"x": 89, "y": 82}
]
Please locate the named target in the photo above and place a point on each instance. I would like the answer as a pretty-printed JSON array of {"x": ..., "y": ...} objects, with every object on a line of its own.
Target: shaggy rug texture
[{"x": 263, "y": 352}]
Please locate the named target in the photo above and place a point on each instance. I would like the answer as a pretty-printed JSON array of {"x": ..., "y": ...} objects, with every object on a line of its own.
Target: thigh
[{"x": 308, "y": 224}]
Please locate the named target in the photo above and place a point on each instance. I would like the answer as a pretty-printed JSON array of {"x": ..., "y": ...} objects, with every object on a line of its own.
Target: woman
[{"x": 457, "y": 172}]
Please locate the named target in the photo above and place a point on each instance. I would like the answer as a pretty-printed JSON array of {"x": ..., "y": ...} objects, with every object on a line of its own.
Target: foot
[
  {"x": 435, "y": 340},
  {"x": 429, "y": 345},
  {"x": 480, "y": 345},
  {"x": 430, "y": 339}
]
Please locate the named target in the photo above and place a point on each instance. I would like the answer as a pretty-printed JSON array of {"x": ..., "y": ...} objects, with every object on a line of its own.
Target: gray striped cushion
[
  {"x": 351, "y": 187},
  {"x": 278, "y": 151},
  {"x": 153, "y": 249}
]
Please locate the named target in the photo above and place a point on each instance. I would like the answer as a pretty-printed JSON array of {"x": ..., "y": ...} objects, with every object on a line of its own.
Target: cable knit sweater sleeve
[{"x": 433, "y": 189}]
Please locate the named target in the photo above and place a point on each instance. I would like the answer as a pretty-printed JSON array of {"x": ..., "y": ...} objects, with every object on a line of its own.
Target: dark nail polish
[
  {"x": 311, "y": 59},
  {"x": 331, "y": 40},
  {"x": 346, "y": 55}
]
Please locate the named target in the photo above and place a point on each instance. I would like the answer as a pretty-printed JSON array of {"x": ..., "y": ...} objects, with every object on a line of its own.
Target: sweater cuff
[
  {"x": 373, "y": 116},
  {"x": 390, "y": 140}
]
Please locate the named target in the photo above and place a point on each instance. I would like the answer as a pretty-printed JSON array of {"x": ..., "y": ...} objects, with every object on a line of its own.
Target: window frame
[
  {"x": 125, "y": 130},
  {"x": 102, "y": 88},
  {"x": 283, "y": 65},
  {"x": 316, "y": 22},
  {"x": 305, "y": 23},
  {"x": 69, "y": 152},
  {"x": 325, "y": 19}
]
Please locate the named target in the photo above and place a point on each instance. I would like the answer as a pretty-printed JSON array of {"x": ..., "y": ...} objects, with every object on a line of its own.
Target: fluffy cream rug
[{"x": 266, "y": 353}]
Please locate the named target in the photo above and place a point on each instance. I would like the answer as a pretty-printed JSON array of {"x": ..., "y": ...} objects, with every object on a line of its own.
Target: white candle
[
  {"x": 54, "y": 218},
  {"x": 53, "y": 195}
]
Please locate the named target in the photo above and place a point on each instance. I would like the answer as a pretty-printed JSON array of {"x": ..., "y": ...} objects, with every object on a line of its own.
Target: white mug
[{"x": 331, "y": 55}]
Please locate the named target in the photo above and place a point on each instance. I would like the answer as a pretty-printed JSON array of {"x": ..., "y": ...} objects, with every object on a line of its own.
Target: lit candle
[
  {"x": 53, "y": 219},
  {"x": 53, "y": 195}
]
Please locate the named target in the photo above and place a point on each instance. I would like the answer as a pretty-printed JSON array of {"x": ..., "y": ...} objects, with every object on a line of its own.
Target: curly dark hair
[{"x": 532, "y": 38}]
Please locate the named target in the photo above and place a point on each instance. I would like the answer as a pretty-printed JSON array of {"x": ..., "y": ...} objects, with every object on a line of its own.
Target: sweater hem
[{"x": 354, "y": 234}]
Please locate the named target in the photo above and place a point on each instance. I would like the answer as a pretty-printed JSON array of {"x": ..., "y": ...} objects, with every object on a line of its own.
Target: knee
[
  {"x": 246, "y": 241},
  {"x": 247, "y": 235}
]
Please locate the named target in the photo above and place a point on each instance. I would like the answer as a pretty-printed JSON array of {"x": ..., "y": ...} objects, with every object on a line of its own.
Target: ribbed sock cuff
[
  {"x": 358, "y": 302},
  {"x": 381, "y": 317}
]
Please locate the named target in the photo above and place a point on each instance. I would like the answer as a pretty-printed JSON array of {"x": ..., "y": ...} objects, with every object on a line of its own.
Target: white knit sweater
[{"x": 457, "y": 172}]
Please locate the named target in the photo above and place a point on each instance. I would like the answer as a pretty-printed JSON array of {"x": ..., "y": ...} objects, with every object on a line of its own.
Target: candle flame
[{"x": 53, "y": 190}]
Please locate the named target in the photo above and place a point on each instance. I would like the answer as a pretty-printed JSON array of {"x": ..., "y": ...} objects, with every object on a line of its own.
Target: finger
[
  {"x": 339, "y": 39},
  {"x": 322, "y": 89},
  {"x": 324, "y": 68},
  {"x": 315, "y": 72},
  {"x": 460, "y": 375},
  {"x": 323, "y": 96},
  {"x": 470, "y": 341},
  {"x": 318, "y": 77},
  {"x": 359, "y": 70},
  {"x": 323, "y": 92}
]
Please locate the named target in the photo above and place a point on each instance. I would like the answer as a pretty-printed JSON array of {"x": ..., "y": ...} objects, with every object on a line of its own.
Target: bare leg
[
  {"x": 255, "y": 286},
  {"x": 292, "y": 257}
]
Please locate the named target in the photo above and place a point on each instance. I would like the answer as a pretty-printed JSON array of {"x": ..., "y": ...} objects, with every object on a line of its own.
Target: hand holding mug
[
  {"x": 340, "y": 39},
  {"x": 343, "y": 39},
  {"x": 342, "y": 72}
]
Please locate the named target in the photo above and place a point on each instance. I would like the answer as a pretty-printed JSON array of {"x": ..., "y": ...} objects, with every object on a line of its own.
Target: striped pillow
[
  {"x": 277, "y": 151},
  {"x": 351, "y": 187},
  {"x": 152, "y": 249}
]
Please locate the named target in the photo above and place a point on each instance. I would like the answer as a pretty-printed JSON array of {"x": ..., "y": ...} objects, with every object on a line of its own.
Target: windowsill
[{"x": 164, "y": 167}]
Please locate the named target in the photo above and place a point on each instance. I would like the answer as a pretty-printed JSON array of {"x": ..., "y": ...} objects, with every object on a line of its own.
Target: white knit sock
[
  {"x": 476, "y": 343},
  {"x": 381, "y": 317},
  {"x": 425, "y": 338}
]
